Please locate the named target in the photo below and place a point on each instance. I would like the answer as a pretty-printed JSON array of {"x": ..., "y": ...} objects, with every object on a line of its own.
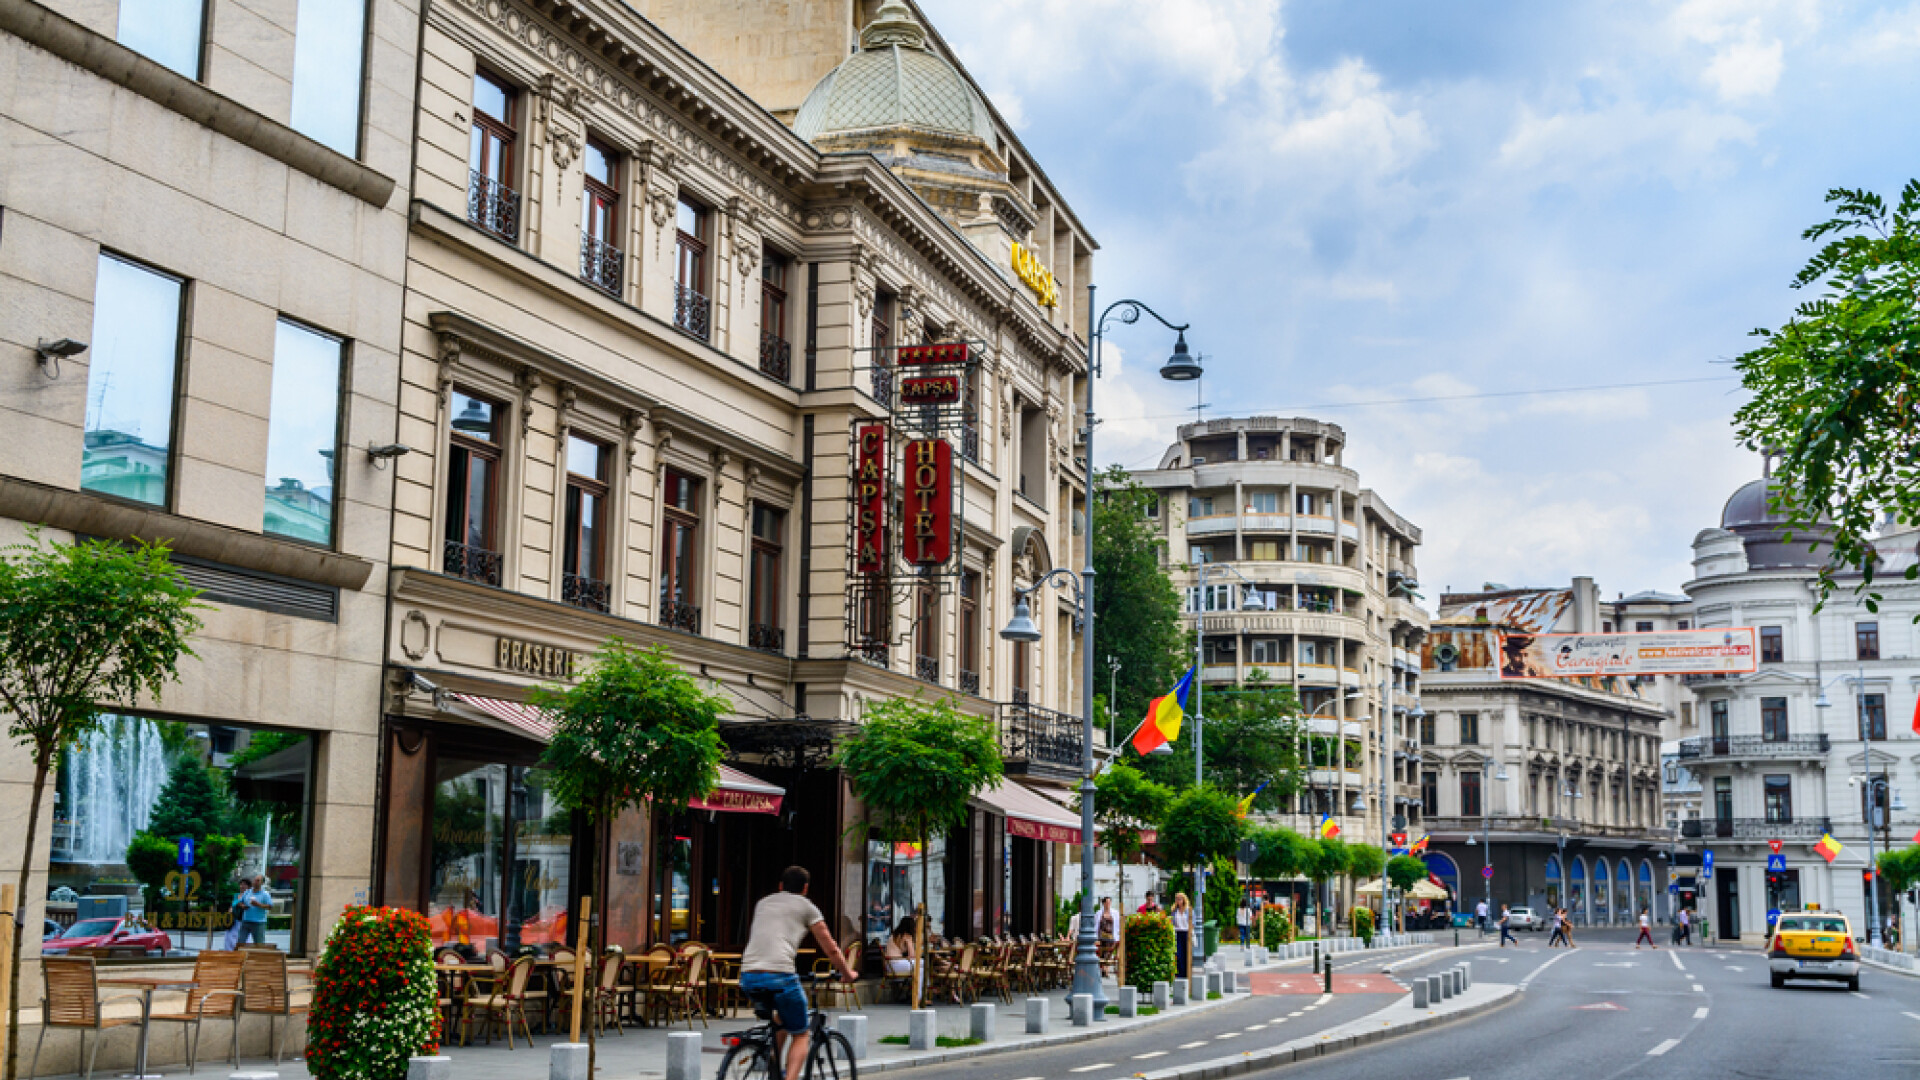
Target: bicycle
[{"x": 754, "y": 1055}]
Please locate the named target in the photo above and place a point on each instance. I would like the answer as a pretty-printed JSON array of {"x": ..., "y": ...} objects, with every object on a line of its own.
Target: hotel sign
[
  {"x": 929, "y": 472},
  {"x": 1035, "y": 276},
  {"x": 870, "y": 500},
  {"x": 930, "y": 390},
  {"x": 529, "y": 658}
]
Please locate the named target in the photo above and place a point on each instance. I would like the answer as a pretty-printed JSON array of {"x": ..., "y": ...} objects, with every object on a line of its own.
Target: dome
[
  {"x": 894, "y": 81},
  {"x": 1764, "y": 530},
  {"x": 1748, "y": 506}
]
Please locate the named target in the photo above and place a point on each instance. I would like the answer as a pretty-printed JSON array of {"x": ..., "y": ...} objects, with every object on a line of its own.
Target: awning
[
  {"x": 1029, "y": 815},
  {"x": 737, "y": 793},
  {"x": 1422, "y": 890}
]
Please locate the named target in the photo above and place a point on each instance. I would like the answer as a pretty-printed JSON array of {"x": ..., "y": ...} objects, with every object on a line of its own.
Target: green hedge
[
  {"x": 1363, "y": 924},
  {"x": 1279, "y": 928},
  {"x": 1149, "y": 950}
]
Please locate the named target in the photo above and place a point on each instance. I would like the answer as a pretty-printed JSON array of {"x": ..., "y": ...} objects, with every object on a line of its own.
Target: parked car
[
  {"x": 1522, "y": 918},
  {"x": 123, "y": 936},
  {"x": 1813, "y": 945}
]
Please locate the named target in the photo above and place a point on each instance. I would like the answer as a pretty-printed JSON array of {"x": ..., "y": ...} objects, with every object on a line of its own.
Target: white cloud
[
  {"x": 1621, "y": 141},
  {"x": 1746, "y": 69}
]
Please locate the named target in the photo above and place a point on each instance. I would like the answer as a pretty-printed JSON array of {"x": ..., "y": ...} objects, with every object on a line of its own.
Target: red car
[{"x": 122, "y": 937}]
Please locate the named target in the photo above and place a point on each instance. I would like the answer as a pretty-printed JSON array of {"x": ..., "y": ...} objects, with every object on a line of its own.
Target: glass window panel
[
  {"x": 476, "y": 418},
  {"x": 490, "y": 97},
  {"x": 303, "y": 433},
  {"x": 542, "y": 864},
  {"x": 599, "y": 164},
  {"x": 328, "y": 39},
  {"x": 469, "y": 850},
  {"x": 688, "y": 218},
  {"x": 586, "y": 458},
  {"x": 131, "y": 373},
  {"x": 167, "y": 32}
]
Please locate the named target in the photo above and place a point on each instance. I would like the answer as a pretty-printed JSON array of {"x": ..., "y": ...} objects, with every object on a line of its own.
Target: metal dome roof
[
  {"x": 1765, "y": 533},
  {"x": 1748, "y": 506},
  {"x": 894, "y": 81}
]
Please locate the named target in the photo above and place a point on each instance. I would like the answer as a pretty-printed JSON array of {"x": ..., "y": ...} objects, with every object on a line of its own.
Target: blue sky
[{"x": 1376, "y": 201}]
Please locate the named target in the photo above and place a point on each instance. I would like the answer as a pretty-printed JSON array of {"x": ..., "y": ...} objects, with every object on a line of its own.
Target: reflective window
[
  {"x": 168, "y": 32},
  {"x": 502, "y": 859},
  {"x": 303, "y": 433},
  {"x": 131, "y": 371},
  {"x": 329, "y": 37}
]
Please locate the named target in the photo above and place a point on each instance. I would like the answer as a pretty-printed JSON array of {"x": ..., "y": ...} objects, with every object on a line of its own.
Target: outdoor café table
[{"x": 147, "y": 985}]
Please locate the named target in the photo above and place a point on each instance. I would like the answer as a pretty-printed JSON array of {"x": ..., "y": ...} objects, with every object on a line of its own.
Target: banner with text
[{"x": 1725, "y": 651}]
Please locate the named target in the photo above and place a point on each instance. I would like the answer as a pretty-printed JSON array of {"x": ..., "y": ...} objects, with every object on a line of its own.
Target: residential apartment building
[
  {"x": 1815, "y": 742},
  {"x": 1265, "y": 504},
  {"x": 1553, "y": 783}
]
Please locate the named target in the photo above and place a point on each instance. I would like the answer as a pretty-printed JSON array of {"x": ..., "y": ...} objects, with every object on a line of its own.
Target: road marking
[
  {"x": 1698, "y": 989},
  {"x": 1323, "y": 999},
  {"x": 1150, "y": 1055},
  {"x": 1627, "y": 963},
  {"x": 1257, "y": 1027},
  {"x": 1228, "y": 1035},
  {"x": 1655, "y": 1052},
  {"x": 1296, "y": 1012},
  {"x": 1916, "y": 1016},
  {"x": 1858, "y": 994},
  {"x": 1700, "y": 1013},
  {"x": 1090, "y": 1068},
  {"x": 1191, "y": 1045},
  {"x": 1735, "y": 967},
  {"x": 1675, "y": 957},
  {"x": 1310, "y": 1008},
  {"x": 1535, "y": 973}
]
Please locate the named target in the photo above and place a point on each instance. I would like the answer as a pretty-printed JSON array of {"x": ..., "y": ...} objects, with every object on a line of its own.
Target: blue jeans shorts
[
  {"x": 789, "y": 1001},
  {"x": 255, "y": 930}
]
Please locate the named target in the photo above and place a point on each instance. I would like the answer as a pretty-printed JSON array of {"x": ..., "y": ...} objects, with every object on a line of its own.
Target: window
[
  {"x": 1606, "y": 627},
  {"x": 1427, "y": 725},
  {"x": 1264, "y": 502},
  {"x": 1202, "y": 554},
  {"x": 1264, "y": 550},
  {"x": 1717, "y": 715},
  {"x": 1264, "y": 651},
  {"x": 1866, "y": 640},
  {"x": 1470, "y": 794},
  {"x": 1685, "y": 624},
  {"x": 583, "y": 582},
  {"x": 303, "y": 433},
  {"x": 131, "y": 377},
  {"x": 765, "y": 630},
  {"x": 926, "y": 632},
  {"x": 880, "y": 328},
  {"x": 970, "y": 633},
  {"x": 1643, "y": 627},
  {"x": 1022, "y": 670},
  {"x": 329, "y": 37},
  {"x": 502, "y": 858},
  {"x": 1302, "y": 503},
  {"x": 1430, "y": 794},
  {"x": 679, "y": 547},
  {"x": 473, "y": 489},
  {"x": 1723, "y": 798},
  {"x": 600, "y": 258},
  {"x": 1310, "y": 653},
  {"x": 168, "y": 32},
  {"x": 1779, "y": 800},
  {"x": 776, "y": 352},
  {"x": 1873, "y": 717},
  {"x": 1773, "y": 719},
  {"x": 1469, "y": 729},
  {"x": 1773, "y": 648},
  {"x": 1200, "y": 506},
  {"x": 492, "y": 203},
  {"x": 692, "y": 311}
]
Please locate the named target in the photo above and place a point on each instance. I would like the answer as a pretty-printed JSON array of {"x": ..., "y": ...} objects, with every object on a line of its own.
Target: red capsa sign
[
  {"x": 738, "y": 802},
  {"x": 929, "y": 473},
  {"x": 930, "y": 390},
  {"x": 870, "y": 500}
]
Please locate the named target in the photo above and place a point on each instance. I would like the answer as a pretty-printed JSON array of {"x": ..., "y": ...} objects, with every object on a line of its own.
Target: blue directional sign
[
  {"x": 186, "y": 853},
  {"x": 1776, "y": 863},
  {"x": 1706, "y": 864}
]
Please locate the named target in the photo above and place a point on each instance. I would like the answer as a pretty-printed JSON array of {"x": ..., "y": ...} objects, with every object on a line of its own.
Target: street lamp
[
  {"x": 1486, "y": 830},
  {"x": 1877, "y": 787},
  {"x": 1113, "y": 680},
  {"x": 1180, "y": 367}
]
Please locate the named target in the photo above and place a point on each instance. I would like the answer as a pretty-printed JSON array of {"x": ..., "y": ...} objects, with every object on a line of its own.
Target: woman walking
[
  {"x": 1182, "y": 914},
  {"x": 1646, "y": 932},
  {"x": 1566, "y": 923},
  {"x": 1559, "y": 928}
]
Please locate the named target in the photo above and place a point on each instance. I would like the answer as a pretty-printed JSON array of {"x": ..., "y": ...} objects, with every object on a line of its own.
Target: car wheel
[
  {"x": 1854, "y": 984},
  {"x": 1778, "y": 980}
]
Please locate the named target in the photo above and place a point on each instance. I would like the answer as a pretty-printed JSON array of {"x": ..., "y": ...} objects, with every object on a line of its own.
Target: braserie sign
[
  {"x": 930, "y": 390},
  {"x": 929, "y": 538},
  {"x": 870, "y": 501}
]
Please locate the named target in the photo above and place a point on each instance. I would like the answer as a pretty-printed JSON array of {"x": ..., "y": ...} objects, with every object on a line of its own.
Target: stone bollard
[
  {"x": 980, "y": 1020},
  {"x": 1436, "y": 990},
  {"x": 1082, "y": 1010},
  {"x": 1215, "y": 983},
  {"x": 1162, "y": 996},
  {"x": 1129, "y": 1002},
  {"x": 1197, "y": 989},
  {"x": 1038, "y": 1015},
  {"x": 1251, "y": 954},
  {"x": 1459, "y": 981},
  {"x": 426, "y": 1068},
  {"x": 683, "y": 1055},
  {"x": 1229, "y": 982},
  {"x": 1466, "y": 972},
  {"x": 854, "y": 1027},
  {"x": 920, "y": 1032},
  {"x": 1419, "y": 993},
  {"x": 567, "y": 1061},
  {"x": 1179, "y": 991}
]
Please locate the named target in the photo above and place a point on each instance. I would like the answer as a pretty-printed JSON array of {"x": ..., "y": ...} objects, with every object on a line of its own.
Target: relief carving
[
  {"x": 529, "y": 381},
  {"x": 449, "y": 359}
]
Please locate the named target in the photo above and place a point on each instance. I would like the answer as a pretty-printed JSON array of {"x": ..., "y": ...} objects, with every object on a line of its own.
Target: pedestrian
[
  {"x": 254, "y": 903},
  {"x": 1108, "y": 928},
  {"x": 781, "y": 921},
  {"x": 1646, "y": 932},
  {"x": 1566, "y": 921},
  {"x": 1559, "y": 928},
  {"x": 1686, "y": 926},
  {"x": 1182, "y": 914},
  {"x": 1244, "y": 919},
  {"x": 1480, "y": 916},
  {"x": 1151, "y": 903},
  {"x": 1506, "y": 931},
  {"x": 901, "y": 950}
]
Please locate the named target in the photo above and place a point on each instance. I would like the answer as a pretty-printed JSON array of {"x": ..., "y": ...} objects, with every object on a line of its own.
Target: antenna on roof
[{"x": 1200, "y": 406}]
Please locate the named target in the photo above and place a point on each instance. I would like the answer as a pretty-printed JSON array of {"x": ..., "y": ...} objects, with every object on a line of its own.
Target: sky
[{"x": 1384, "y": 213}]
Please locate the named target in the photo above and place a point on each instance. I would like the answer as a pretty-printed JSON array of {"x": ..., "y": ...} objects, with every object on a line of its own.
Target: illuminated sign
[
  {"x": 929, "y": 532},
  {"x": 951, "y": 353},
  {"x": 1035, "y": 276},
  {"x": 930, "y": 390},
  {"x": 870, "y": 501}
]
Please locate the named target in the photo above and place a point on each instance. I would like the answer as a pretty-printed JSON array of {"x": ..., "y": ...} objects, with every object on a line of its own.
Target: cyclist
[{"x": 780, "y": 922}]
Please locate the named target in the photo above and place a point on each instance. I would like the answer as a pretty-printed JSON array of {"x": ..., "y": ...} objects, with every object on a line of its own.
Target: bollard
[
  {"x": 1419, "y": 993},
  {"x": 1436, "y": 990},
  {"x": 1466, "y": 975},
  {"x": 1316, "y": 958},
  {"x": 1329, "y": 977},
  {"x": 980, "y": 1020},
  {"x": 1179, "y": 991},
  {"x": 1214, "y": 984},
  {"x": 427, "y": 1068},
  {"x": 567, "y": 1061},
  {"x": 683, "y": 1055},
  {"x": 854, "y": 1027},
  {"x": 920, "y": 1035},
  {"x": 1037, "y": 1015},
  {"x": 1082, "y": 1009},
  {"x": 1197, "y": 989},
  {"x": 1459, "y": 982},
  {"x": 1253, "y": 955},
  {"x": 1229, "y": 982},
  {"x": 1162, "y": 996},
  {"x": 1129, "y": 1002}
]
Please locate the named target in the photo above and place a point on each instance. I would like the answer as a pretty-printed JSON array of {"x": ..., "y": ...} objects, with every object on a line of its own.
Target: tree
[
  {"x": 190, "y": 803},
  {"x": 1836, "y": 389},
  {"x": 1139, "y": 623},
  {"x": 1364, "y": 861},
  {"x": 1901, "y": 868},
  {"x": 1283, "y": 853},
  {"x": 1326, "y": 860},
  {"x": 84, "y": 628},
  {"x": 915, "y": 764},
  {"x": 1251, "y": 735},
  {"x": 1405, "y": 871},
  {"x": 1201, "y": 823}
]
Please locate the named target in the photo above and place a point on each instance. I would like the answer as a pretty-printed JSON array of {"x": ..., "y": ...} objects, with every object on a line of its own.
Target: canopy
[
  {"x": 1030, "y": 815},
  {"x": 1422, "y": 890}
]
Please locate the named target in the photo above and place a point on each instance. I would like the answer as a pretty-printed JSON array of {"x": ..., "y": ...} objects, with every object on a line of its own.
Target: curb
[{"x": 1889, "y": 968}]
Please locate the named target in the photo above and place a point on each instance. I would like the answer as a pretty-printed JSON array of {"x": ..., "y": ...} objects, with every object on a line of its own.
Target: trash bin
[{"x": 1210, "y": 938}]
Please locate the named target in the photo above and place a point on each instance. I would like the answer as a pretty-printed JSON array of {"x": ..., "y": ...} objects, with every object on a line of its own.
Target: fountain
[{"x": 112, "y": 776}]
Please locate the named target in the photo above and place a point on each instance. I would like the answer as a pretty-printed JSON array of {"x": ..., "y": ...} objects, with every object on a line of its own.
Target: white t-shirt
[
  {"x": 1643, "y": 920},
  {"x": 1181, "y": 920},
  {"x": 1684, "y": 919},
  {"x": 780, "y": 922},
  {"x": 1481, "y": 909}
]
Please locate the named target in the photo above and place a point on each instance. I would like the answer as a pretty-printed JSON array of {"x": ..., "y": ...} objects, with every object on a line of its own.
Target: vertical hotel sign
[
  {"x": 870, "y": 500},
  {"x": 929, "y": 472}
]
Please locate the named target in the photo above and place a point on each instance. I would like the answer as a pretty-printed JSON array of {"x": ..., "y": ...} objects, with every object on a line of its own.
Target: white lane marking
[
  {"x": 1090, "y": 1068},
  {"x": 1700, "y": 1013},
  {"x": 1256, "y": 1027},
  {"x": 1698, "y": 989},
  {"x": 1191, "y": 1045},
  {"x": 1323, "y": 999},
  {"x": 1916, "y": 1016},
  {"x": 1627, "y": 963},
  {"x": 1296, "y": 1012},
  {"x": 1675, "y": 957},
  {"x": 1535, "y": 973},
  {"x": 1735, "y": 967},
  {"x": 1655, "y": 1052},
  {"x": 1228, "y": 1035},
  {"x": 1150, "y": 1055},
  {"x": 1858, "y": 994},
  {"x": 1310, "y": 1008}
]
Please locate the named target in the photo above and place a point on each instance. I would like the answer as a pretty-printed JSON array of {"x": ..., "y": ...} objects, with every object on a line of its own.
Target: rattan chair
[
  {"x": 501, "y": 1001},
  {"x": 216, "y": 995},
  {"x": 73, "y": 1001},
  {"x": 829, "y": 987},
  {"x": 681, "y": 988},
  {"x": 957, "y": 977},
  {"x": 265, "y": 990}
]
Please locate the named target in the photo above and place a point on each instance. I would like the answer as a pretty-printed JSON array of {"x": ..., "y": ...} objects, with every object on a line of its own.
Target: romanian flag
[
  {"x": 1162, "y": 724},
  {"x": 1246, "y": 805},
  {"x": 1329, "y": 828},
  {"x": 1419, "y": 845},
  {"x": 1828, "y": 848}
]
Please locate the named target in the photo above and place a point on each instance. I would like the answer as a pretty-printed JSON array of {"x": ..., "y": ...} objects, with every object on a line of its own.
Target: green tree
[
  {"x": 1125, "y": 805},
  {"x": 1139, "y": 623},
  {"x": 1364, "y": 861},
  {"x": 84, "y": 629},
  {"x": 1835, "y": 391},
  {"x": 1326, "y": 860},
  {"x": 1405, "y": 871},
  {"x": 1283, "y": 853},
  {"x": 915, "y": 764},
  {"x": 191, "y": 802},
  {"x": 1201, "y": 823},
  {"x": 1252, "y": 735},
  {"x": 1901, "y": 868}
]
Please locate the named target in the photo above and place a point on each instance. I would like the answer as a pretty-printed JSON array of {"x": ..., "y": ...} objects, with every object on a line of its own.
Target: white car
[{"x": 1522, "y": 918}]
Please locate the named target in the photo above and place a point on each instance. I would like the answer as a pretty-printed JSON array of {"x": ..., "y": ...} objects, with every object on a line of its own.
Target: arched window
[
  {"x": 1577, "y": 884},
  {"x": 1554, "y": 895},
  {"x": 1602, "y": 892}
]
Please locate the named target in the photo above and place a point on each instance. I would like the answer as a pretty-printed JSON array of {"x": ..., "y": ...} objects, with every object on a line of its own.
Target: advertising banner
[{"x": 1725, "y": 651}]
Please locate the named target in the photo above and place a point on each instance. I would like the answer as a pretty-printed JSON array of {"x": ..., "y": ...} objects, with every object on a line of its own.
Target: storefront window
[
  {"x": 893, "y": 885},
  {"x": 673, "y": 886},
  {"x": 127, "y": 794},
  {"x": 495, "y": 888}
]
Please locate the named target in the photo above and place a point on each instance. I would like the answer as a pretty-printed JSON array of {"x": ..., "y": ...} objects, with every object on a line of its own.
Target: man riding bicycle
[{"x": 780, "y": 922}]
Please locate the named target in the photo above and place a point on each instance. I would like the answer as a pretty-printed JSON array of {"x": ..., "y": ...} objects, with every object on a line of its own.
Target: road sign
[
  {"x": 1674, "y": 888},
  {"x": 1249, "y": 852},
  {"x": 1399, "y": 821},
  {"x": 1774, "y": 846},
  {"x": 185, "y": 858},
  {"x": 1776, "y": 863},
  {"x": 1487, "y": 872},
  {"x": 1706, "y": 864},
  {"x": 1399, "y": 839}
]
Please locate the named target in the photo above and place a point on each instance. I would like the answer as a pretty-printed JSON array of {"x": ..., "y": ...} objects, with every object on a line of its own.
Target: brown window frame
[
  {"x": 926, "y": 632},
  {"x": 1773, "y": 645},
  {"x": 462, "y": 449},
  {"x": 1872, "y": 709},
  {"x": 765, "y": 557},
  {"x": 691, "y": 249},
  {"x": 601, "y": 196},
  {"x": 1773, "y": 719},
  {"x": 496, "y": 129},
  {"x": 969, "y": 644},
  {"x": 774, "y": 268},
  {"x": 577, "y": 488},
  {"x": 1470, "y": 782},
  {"x": 680, "y": 538},
  {"x": 1866, "y": 640}
]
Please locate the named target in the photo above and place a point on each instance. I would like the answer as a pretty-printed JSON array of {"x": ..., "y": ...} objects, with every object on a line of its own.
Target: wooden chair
[
  {"x": 218, "y": 994},
  {"x": 263, "y": 977},
  {"x": 829, "y": 987},
  {"x": 502, "y": 1001},
  {"x": 725, "y": 979},
  {"x": 453, "y": 988},
  {"x": 562, "y": 982},
  {"x": 680, "y": 988},
  {"x": 609, "y": 992},
  {"x": 957, "y": 978},
  {"x": 997, "y": 974},
  {"x": 73, "y": 1001}
]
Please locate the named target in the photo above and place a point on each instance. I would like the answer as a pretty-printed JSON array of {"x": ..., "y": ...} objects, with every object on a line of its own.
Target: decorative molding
[
  {"x": 564, "y": 423},
  {"x": 449, "y": 359},
  {"x": 528, "y": 380}
]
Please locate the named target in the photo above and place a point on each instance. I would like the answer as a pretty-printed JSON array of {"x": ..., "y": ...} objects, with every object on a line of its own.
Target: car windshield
[
  {"x": 91, "y": 928},
  {"x": 1830, "y": 925}
]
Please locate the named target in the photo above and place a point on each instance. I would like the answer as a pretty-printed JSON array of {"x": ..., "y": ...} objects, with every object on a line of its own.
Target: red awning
[
  {"x": 1029, "y": 815},
  {"x": 737, "y": 793}
]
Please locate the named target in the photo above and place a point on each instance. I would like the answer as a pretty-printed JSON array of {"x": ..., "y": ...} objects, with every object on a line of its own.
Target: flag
[
  {"x": 1916, "y": 716},
  {"x": 1162, "y": 724},
  {"x": 1828, "y": 848},
  {"x": 1329, "y": 828},
  {"x": 1419, "y": 845},
  {"x": 1246, "y": 805}
]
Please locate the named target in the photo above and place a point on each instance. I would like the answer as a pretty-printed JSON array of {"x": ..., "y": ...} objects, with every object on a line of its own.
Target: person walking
[
  {"x": 1559, "y": 928},
  {"x": 1566, "y": 921},
  {"x": 1646, "y": 932},
  {"x": 1685, "y": 926},
  {"x": 1107, "y": 928},
  {"x": 1480, "y": 916},
  {"x": 1182, "y": 915},
  {"x": 781, "y": 921},
  {"x": 254, "y": 903},
  {"x": 1506, "y": 930},
  {"x": 1244, "y": 919}
]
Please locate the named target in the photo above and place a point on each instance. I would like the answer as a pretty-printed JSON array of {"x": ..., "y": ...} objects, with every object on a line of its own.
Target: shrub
[
  {"x": 1279, "y": 929},
  {"x": 1149, "y": 949},
  {"x": 374, "y": 997},
  {"x": 1363, "y": 924}
]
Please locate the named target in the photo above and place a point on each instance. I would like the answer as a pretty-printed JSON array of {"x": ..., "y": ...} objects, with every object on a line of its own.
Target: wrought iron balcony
[
  {"x": 970, "y": 441},
  {"x": 692, "y": 312},
  {"x": 586, "y": 592},
  {"x": 883, "y": 385},
  {"x": 600, "y": 264},
  {"x": 970, "y": 682},
  {"x": 766, "y": 638},
  {"x": 1757, "y": 830},
  {"x": 675, "y": 615},
  {"x": 776, "y": 357},
  {"x": 1040, "y": 740},
  {"x": 472, "y": 563},
  {"x": 926, "y": 668},
  {"x": 1019, "y": 695},
  {"x": 493, "y": 206},
  {"x": 1710, "y": 747}
]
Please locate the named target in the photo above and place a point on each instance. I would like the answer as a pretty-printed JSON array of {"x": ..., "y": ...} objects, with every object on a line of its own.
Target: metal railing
[
  {"x": 776, "y": 357},
  {"x": 1750, "y": 746},
  {"x": 472, "y": 563},
  {"x": 970, "y": 682},
  {"x": 771, "y": 639},
  {"x": 585, "y": 592},
  {"x": 600, "y": 264},
  {"x": 1034, "y": 735},
  {"x": 692, "y": 312},
  {"x": 675, "y": 615},
  {"x": 970, "y": 441},
  {"x": 493, "y": 206},
  {"x": 926, "y": 668},
  {"x": 883, "y": 385},
  {"x": 1755, "y": 829}
]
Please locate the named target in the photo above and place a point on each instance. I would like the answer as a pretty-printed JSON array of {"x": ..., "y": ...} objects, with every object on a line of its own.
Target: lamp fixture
[
  {"x": 50, "y": 353},
  {"x": 1181, "y": 366},
  {"x": 1021, "y": 627}
]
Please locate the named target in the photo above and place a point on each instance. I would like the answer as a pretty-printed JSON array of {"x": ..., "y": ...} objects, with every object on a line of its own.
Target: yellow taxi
[{"x": 1813, "y": 945}]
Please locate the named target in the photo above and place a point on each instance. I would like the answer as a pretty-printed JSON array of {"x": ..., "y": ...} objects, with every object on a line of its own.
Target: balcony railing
[
  {"x": 692, "y": 312},
  {"x": 1708, "y": 747},
  {"x": 771, "y": 639},
  {"x": 600, "y": 264},
  {"x": 1034, "y": 737},
  {"x": 883, "y": 385},
  {"x": 472, "y": 563},
  {"x": 493, "y": 206},
  {"x": 1755, "y": 829},
  {"x": 675, "y": 615},
  {"x": 970, "y": 682},
  {"x": 586, "y": 592},
  {"x": 776, "y": 357},
  {"x": 926, "y": 668},
  {"x": 970, "y": 442},
  {"x": 1020, "y": 695}
]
